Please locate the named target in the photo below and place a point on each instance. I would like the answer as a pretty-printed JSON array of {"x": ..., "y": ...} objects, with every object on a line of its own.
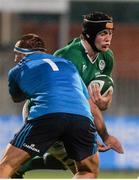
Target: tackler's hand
[
  {"x": 114, "y": 143},
  {"x": 103, "y": 147}
]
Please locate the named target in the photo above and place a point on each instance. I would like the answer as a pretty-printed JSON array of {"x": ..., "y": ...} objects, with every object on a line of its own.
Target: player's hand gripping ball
[{"x": 105, "y": 83}]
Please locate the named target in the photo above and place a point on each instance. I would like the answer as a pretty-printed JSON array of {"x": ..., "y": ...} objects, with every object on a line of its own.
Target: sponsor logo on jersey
[
  {"x": 102, "y": 64},
  {"x": 32, "y": 147}
]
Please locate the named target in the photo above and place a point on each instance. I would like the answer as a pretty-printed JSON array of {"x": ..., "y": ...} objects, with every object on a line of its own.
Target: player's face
[
  {"x": 18, "y": 57},
  {"x": 103, "y": 40}
]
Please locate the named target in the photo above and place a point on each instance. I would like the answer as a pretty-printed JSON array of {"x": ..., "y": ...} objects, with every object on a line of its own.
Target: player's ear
[{"x": 110, "y": 92}]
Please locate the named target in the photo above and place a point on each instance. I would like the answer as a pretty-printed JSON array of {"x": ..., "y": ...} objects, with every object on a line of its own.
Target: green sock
[{"x": 49, "y": 162}]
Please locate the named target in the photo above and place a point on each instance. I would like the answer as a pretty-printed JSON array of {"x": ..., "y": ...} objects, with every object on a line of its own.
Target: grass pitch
[{"x": 60, "y": 174}]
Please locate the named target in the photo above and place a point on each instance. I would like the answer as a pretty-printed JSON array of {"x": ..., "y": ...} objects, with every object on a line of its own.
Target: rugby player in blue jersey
[{"x": 60, "y": 110}]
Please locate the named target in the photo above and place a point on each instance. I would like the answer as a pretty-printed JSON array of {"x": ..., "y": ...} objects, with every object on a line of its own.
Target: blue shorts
[{"x": 77, "y": 132}]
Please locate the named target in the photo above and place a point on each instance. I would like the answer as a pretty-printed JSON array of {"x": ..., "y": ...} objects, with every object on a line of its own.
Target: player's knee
[
  {"x": 90, "y": 166},
  {"x": 7, "y": 167},
  {"x": 90, "y": 171},
  {"x": 86, "y": 173},
  {"x": 10, "y": 161}
]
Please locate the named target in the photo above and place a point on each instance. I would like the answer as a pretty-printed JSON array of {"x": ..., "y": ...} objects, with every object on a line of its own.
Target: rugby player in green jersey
[{"x": 91, "y": 54}]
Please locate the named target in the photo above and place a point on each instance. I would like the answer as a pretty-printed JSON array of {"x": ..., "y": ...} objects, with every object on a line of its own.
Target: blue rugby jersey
[{"x": 53, "y": 85}]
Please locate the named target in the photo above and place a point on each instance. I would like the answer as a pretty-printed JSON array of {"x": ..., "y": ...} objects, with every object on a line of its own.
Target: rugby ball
[{"x": 105, "y": 83}]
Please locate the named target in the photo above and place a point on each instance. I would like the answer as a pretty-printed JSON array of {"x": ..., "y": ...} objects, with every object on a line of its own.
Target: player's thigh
[
  {"x": 90, "y": 164},
  {"x": 14, "y": 156},
  {"x": 80, "y": 140}
]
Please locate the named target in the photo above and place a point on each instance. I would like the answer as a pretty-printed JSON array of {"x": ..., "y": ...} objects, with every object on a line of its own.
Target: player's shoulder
[
  {"x": 13, "y": 72},
  {"x": 16, "y": 67},
  {"x": 72, "y": 48},
  {"x": 108, "y": 54}
]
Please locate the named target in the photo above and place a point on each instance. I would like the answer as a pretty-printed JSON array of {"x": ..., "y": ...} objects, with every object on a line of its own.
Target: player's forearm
[{"x": 99, "y": 121}]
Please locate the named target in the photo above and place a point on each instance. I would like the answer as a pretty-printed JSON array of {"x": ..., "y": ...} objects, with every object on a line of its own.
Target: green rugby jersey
[{"x": 76, "y": 53}]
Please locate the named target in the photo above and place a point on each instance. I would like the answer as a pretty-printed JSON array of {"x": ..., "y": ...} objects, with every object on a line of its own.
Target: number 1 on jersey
[{"x": 52, "y": 64}]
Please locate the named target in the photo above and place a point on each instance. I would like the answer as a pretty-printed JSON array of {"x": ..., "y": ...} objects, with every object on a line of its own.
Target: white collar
[{"x": 86, "y": 51}]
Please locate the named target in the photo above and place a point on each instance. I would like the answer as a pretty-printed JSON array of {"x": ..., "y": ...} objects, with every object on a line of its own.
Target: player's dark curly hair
[{"x": 32, "y": 41}]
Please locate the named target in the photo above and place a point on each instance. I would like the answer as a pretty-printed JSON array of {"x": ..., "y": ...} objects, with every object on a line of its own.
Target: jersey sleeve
[
  {"x": 85, "y": 90},
  {"x": 14, "y": 89}
]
